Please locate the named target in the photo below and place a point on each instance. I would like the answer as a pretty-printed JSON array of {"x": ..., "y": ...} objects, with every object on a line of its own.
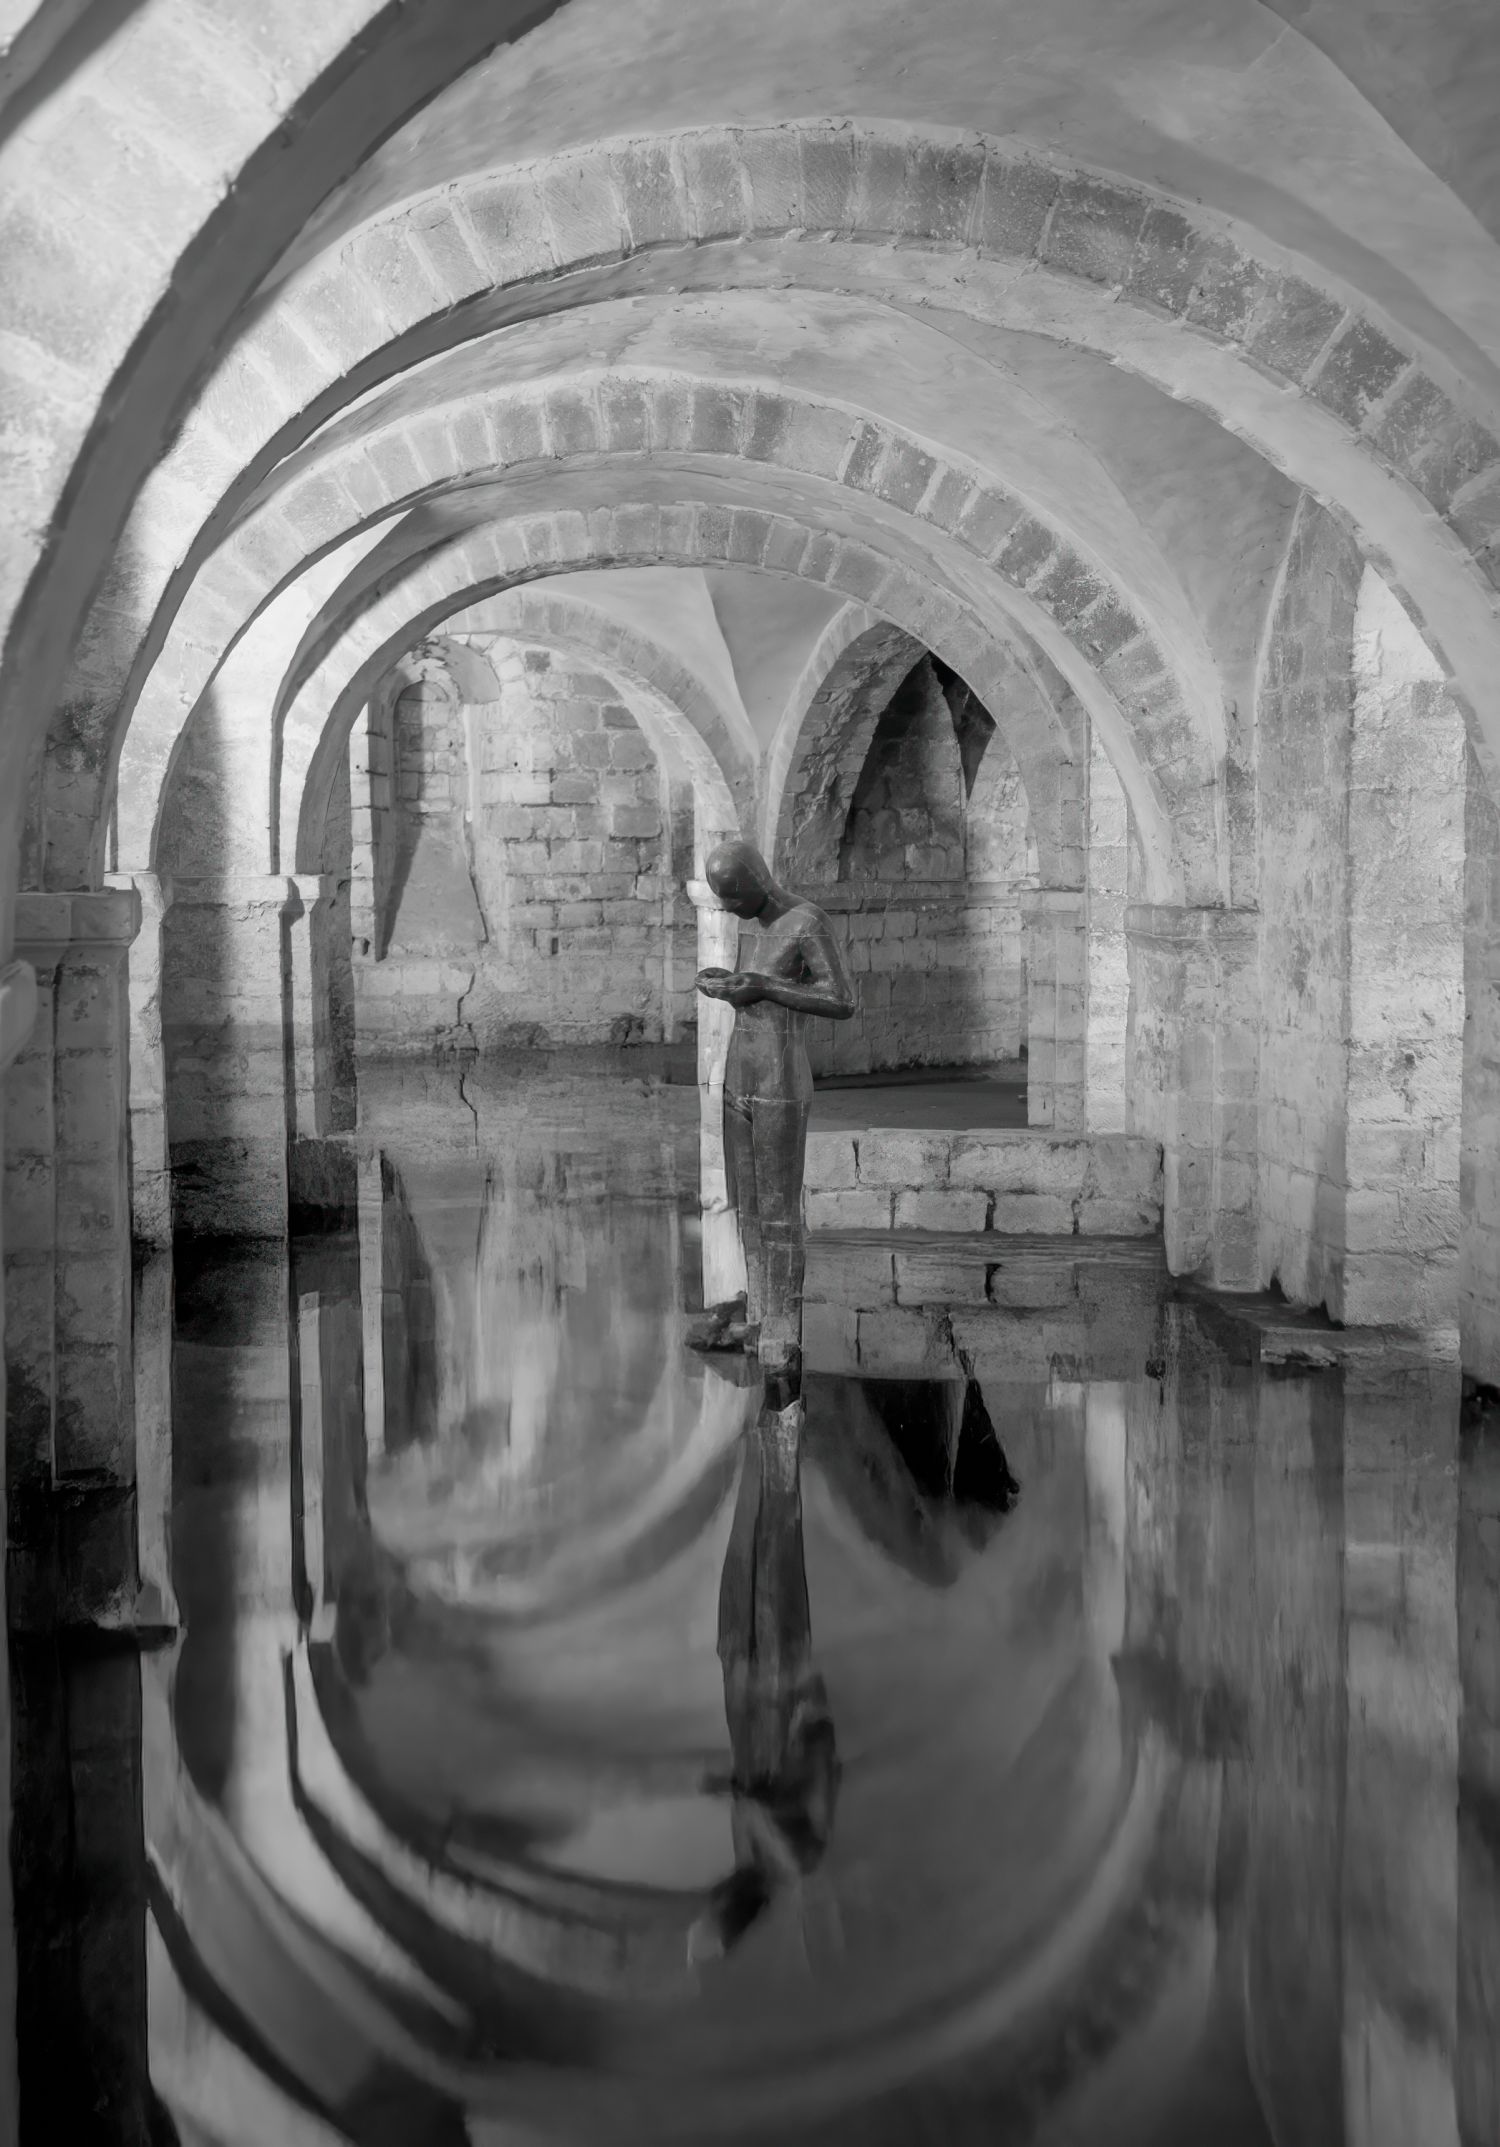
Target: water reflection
[
  {"x": 1071, "y": 1728},
  {"x": 785, "y": 1778}
]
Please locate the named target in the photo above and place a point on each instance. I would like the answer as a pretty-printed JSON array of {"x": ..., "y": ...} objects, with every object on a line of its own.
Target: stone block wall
[
  {"x": 1008, "y": 1182},
  {"x": 926, "y": 896},
  {"x": 528, "y": 873},
  {"x": 937, "y": 972}
]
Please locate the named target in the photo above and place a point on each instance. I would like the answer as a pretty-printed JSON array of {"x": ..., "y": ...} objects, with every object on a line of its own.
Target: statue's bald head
[{"x": 739, "y": 876}]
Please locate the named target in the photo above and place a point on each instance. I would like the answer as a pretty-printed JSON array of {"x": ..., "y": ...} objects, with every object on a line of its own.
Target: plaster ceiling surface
[
  {"x": 1430, "y": 67},
  {"x": 1218, "y": 101},
  {"x": 673, "y": 607},
  {"x": 770, "y": 630},
  {"x": 745, "y": 636}
]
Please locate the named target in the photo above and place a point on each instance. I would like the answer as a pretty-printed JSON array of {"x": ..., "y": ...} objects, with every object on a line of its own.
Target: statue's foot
[
  {"x": 737, "y": 1338},
  {"x": 723, "y": 1327}
]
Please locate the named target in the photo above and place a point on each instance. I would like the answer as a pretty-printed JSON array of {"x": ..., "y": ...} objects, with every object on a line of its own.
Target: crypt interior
[{"x": 1032, "y": 469}]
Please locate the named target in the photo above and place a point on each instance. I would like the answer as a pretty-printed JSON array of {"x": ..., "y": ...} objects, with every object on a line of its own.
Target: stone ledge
[{"x": 1005, "y": 1182}]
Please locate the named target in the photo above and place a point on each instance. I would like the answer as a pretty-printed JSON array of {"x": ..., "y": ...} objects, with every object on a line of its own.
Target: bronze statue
[{"x": 796, "y": 970}]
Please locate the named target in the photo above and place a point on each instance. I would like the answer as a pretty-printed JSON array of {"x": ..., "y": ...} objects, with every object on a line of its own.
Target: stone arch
[
  {"x": 683, "y": 721},
  {"x": 826, "y": 751},
  {"x": 1048, "y": 588},
  {"x": 821, "y": 741},
  {"x": 157, "y": 244},
  {"x": 491, "y": 559},
  {"x": 231, "y": 704},
  {"x": 1162, "y": 269}
]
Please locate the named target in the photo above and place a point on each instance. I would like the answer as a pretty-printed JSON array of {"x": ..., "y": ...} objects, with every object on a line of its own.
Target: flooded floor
[{"x": 1085, "y": 1728}]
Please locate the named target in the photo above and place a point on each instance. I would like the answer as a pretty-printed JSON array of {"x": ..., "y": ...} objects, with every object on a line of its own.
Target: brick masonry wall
[
  {"x": 1010, "y": 1182},
  {"x": 536, "y": 871}
]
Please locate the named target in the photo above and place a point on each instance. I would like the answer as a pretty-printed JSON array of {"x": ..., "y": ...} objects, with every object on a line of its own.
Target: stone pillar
[
  {"x": 1477, "y": 2066},
  {"x": 225, "y": 1009},
  {"x": 70, "y": 1404},
  {"x": 151, "y": 1346},
  {"x": 372, "y": 1296},
  {"x": 1479, "y": 1166},
  {"x": 329, "y": 1453},
  {"x": 723, "y": 1260},
  {"x": 369, "y": 816},
  {"x": 321, "y": 1086},
  {"x": 18, "y": 1011},
  {"x": 1056, "y": 937},
  {"x": 1109, "y": 968},
  {"x": 1193, "y": 1057},
  {"x": 150, "y": 1162}
]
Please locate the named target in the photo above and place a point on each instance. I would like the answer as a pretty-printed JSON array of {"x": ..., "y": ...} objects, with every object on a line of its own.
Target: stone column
[
  {"x": 1477, "y": 2065},
  {"x": 325, "y": 1487},
  {"x": 321, "y": 1089},
  {"x": 70, "y": 1404},
  {"x": 1055, "y": 921},
  {"x": 225, "y": 1012},
  {"x": 723, "y": 1260},
  {"x": 1193, "y": 1058},
  {"x": 150, "y": 1162},
  {"x": 372, "y": 1296}
]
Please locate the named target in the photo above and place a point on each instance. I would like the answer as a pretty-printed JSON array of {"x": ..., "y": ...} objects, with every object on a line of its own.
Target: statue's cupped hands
[{"x": 739, "y": 987}]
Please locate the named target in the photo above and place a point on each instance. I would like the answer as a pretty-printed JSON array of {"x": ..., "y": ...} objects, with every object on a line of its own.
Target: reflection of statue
[
  {"x": 785, "y": 1776},
  {"x": 768, "y": 1090}
]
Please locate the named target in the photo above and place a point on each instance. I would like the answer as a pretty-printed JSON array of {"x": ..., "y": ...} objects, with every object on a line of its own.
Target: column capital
[
  {"x": 239, "y": 890},
  {"x": 153, "y": 889},
  {"x": 51, "y": 922},
  {"x": 316, "y": 886}
]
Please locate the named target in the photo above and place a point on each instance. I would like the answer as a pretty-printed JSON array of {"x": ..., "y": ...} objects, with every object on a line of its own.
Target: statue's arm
[{"x": 827, "y": 988}]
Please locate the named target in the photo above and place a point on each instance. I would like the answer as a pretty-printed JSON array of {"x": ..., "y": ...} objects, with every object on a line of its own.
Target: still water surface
[{"x": 1083, "y": 1728}]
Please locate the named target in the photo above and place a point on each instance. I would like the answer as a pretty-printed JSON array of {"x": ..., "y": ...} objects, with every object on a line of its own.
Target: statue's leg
[
  {"x": 728, "y": 1326},
  {"x": 741, "y": 1167},
  {"x": 780, "y": 1155}
]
